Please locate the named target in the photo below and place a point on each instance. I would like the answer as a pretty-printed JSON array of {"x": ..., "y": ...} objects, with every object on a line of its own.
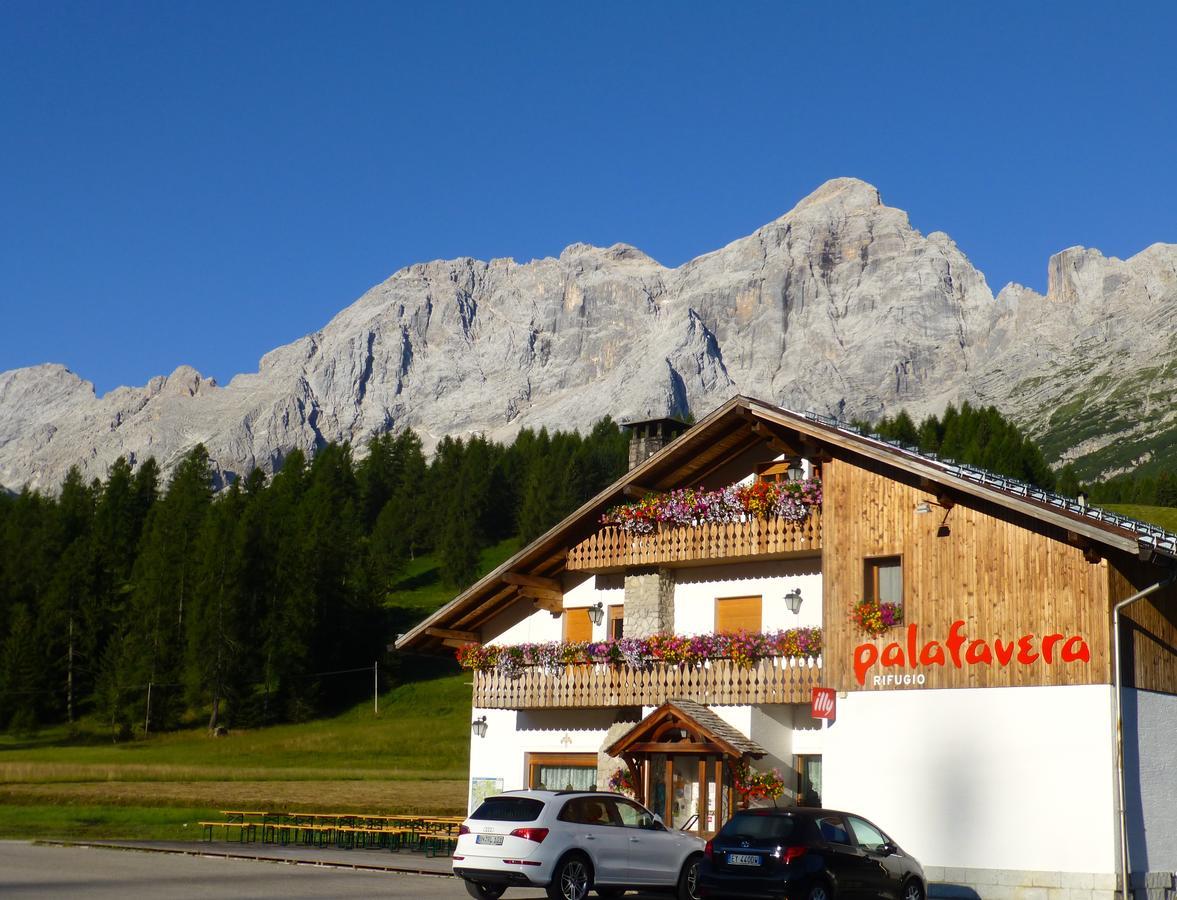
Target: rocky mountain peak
[
  {"x": 839, "y": 306},
  {"x": 848, "y": 193}
]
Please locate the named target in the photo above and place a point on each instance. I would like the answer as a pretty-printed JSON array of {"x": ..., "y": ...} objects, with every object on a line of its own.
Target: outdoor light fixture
[
  {"x": 793, "y": 601},
  {"x": 944, "y": 503},
  {"x": 478, "y": 726},
  {"x": 597, "y": 613}
]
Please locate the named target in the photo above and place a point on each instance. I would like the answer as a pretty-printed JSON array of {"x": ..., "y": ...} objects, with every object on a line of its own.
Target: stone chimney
[{"x": 649, "y": 436}]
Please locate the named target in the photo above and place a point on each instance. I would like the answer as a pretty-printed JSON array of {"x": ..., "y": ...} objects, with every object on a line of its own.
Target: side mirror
[
  {"x": 656, "y": 823},
  {"x": 888, "y": 849}
]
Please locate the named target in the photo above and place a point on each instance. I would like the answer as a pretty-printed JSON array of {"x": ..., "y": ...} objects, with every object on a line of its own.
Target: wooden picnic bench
[
  {"x": 433, "y": 835},
  {"x": 244, "y": 828}
]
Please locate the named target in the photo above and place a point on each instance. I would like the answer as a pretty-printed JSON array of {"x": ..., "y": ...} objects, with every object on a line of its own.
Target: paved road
[{"x": 29, "y": 871}]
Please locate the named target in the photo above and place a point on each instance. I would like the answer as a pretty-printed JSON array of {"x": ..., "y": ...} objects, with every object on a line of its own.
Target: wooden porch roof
[{"x": 711, "y": 733}]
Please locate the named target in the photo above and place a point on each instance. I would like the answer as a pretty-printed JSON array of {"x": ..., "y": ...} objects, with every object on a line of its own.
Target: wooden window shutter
[
  {"x": 577, "y": 625},
  {"x": 738, "y": 614}
]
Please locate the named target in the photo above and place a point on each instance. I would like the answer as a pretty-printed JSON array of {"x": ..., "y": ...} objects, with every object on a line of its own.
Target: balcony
[
  {"x": 612, "y": 550},
  {"x": 720, "y": 683}
]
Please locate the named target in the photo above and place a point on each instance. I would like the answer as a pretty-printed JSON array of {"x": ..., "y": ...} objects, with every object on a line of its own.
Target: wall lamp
[
  {"x": 596, "y": 613},
  {"x": 793, "y": 601},
  {"x": 478, "y": 726},
  {"x": 944, "y": 503}
]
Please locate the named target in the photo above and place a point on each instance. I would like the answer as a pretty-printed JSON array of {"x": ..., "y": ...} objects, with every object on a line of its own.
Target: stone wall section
[{"x": 649, "y": 603}]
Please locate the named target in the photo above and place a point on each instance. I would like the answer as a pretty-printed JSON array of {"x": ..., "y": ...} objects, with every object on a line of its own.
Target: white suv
[{"x": 571, "y": 842}]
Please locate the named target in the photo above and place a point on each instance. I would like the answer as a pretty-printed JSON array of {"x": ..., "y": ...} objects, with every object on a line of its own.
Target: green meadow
[{"x": 411, "y": 756}]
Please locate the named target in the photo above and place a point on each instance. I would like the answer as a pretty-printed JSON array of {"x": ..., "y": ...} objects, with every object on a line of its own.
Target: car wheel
[
  {"x": 688, "y": 880},
  {"x": 481, "y": 891},
  {"x": 820, "y": 891},
  {"x": 913, "y": 890},
  {"x": 572, "y": 880}
]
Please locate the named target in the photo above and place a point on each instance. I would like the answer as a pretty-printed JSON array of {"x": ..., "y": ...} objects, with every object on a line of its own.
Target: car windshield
[
  {"x": 509, "y": 809},
  {"x": 762, "y": 827}
]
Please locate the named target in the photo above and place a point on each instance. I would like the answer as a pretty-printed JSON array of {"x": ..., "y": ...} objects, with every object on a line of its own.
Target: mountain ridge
[{"x": 839, "y": 305}]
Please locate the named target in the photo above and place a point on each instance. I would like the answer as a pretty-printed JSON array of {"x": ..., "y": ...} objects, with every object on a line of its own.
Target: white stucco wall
[
  {"x": 521, "y": 623},
  {"x": 511, "y": 734},
  {"x": 1002, "y": 778},
  {"x": 696, "y": 591},
  {"x": 1150, "y": 783}
]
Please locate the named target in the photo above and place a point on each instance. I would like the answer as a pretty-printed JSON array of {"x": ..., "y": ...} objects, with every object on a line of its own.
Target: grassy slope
[
  {"x": 1165, "y": 516},
  {"x": 413, "y": 757},
  {"x": 1107, "y": 404}
]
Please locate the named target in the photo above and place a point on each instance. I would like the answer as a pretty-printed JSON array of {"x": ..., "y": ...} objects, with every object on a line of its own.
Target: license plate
[
  {"x": 742, "y": 859},
  {"x": 488, "y": 839}
]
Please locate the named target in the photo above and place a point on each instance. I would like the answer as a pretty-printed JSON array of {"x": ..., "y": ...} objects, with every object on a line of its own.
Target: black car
[{"x": 807, "y": 854}]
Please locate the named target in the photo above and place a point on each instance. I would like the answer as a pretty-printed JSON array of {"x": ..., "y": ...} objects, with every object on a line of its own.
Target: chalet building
[{"x": 970, "y": 708}]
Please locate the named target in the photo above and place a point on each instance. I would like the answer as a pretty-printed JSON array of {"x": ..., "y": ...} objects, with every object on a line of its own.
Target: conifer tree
[
  {"x": 213, "y": 639},
  {"x": 164, "y": 579}
]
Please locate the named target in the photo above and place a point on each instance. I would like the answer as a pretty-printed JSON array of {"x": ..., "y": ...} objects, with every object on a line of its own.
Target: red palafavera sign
[{"x": 824, "y": 704}]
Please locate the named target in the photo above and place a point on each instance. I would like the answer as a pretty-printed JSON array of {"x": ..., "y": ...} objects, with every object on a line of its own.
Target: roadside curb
[{"x": 211, "y": 853}]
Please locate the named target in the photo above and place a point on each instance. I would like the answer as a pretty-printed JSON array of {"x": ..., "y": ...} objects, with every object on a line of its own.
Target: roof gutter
[{"x": 1121, "y": 812}]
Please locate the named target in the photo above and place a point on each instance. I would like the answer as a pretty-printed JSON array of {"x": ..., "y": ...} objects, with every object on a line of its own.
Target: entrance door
[{"x": 689, "y": 791}]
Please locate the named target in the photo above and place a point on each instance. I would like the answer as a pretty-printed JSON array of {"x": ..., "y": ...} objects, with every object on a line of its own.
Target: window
[
  {"x": 763, "y": 824},
  {"x": 509, "y": 809},
  {"x": 868, "y": 837},
  {"x": 633, "y": 816},
  {"x": 775, "y": 472},
  {"x": 883, "y": 579},
  {"x": 562, "y": 771},
  {"x": 737, "y": 614},
  {"x": 809, "y": 780},
  {"x": 588, "y": 811},
  {"x": 616, "y": 626},
  {"x": 833, "y": 829},
  {"x": 785, "y": 470},
  {"x": 577, "y": 625}
]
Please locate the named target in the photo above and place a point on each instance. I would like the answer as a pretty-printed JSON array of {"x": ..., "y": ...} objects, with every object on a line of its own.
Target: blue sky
[{"x": 200, "y": 182}]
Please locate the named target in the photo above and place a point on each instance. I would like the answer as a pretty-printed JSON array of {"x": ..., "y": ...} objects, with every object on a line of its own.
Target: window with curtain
[
  {"x": 883, "y": 581},
  {"x": 809, "y": 780},
  {"x": 562, "y": 771}
]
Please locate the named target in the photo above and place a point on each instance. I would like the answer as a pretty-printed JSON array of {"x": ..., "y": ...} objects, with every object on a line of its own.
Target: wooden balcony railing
[
  {"x": 614, "y": 549},
  {"x": 720, "y": 683}
]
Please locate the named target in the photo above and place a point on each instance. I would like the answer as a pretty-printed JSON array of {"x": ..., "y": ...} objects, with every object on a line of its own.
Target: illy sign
[{"x": 824, "y": 704}]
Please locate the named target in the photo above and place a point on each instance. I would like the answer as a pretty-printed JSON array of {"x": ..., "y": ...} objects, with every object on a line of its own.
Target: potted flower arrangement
[
  {"x": 873, "y": 618},
  {"x": 743, "y": 648},
  {"x": 686, "y": 507},
  {"x": 621, "y": 782},
  {"x": 752, "y": 785}
]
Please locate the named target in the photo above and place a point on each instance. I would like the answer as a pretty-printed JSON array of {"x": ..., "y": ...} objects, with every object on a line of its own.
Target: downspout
[{"x": 1139, "y": 595}]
